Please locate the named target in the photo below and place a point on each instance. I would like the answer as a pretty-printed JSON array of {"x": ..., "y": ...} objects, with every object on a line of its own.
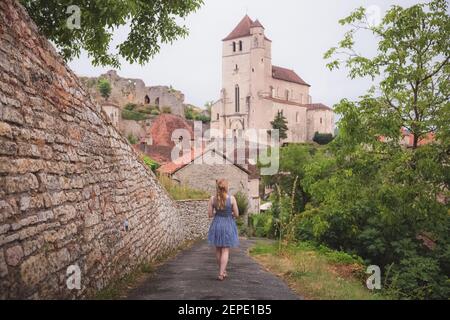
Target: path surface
[{"x": 192, "y": 275}]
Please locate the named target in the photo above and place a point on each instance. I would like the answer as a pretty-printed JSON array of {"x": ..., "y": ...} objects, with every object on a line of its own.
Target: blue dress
[{"x": 223, "y": 230}]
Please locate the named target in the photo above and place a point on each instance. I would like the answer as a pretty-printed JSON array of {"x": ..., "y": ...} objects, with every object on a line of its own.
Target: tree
[
  {"x": 104, "y": 87},
  {"x": 413, "y": 63},
  {"x": 376, "y": 198},
  {"x": 151, "y": 24},
  {"x": 280, "y": 124}
]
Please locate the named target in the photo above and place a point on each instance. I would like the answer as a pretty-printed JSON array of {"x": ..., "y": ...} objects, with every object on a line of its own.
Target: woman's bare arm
[
  {"x": 235, "y": 208},
  {"x": 210, "y": 207}
]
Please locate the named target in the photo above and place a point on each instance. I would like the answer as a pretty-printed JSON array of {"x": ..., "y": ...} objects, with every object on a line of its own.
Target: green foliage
[
  {"x": 133, "y": 115},
  {"x": 192, "y": 113},
  {"x": 322, "y": 138},
  {"x": 152, "y": 164},
  {"x": 181, "y": 192},
  {"x": 132, "y": 139},
  {"x": 104, "y": 87},
  {"x": 242, "y": 203},
  {"x": 166, "y": 110},
  {"x": 262, "y": 225},
  {"x": 280, "y": 124},
  {"x": 154, "y": 112},
  {"x": 151, "y": 24},
  {"x": 130, "y": 106}
]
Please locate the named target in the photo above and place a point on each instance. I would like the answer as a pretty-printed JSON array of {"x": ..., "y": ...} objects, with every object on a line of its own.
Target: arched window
[
  {"x": 234, "y": 46},
  {"x": 146, "y": 100},
  {"x": 240, "y": 45},
  {"x": 236, "y": 98}
]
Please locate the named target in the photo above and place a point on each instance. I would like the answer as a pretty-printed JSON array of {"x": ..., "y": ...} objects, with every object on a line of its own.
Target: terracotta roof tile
[
  {"x": 287, "y": 75},
  {"x": 164, "y": 125}
]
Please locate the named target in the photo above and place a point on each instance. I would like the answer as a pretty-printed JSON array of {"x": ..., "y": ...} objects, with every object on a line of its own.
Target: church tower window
[{"x": 236, "y": 98}]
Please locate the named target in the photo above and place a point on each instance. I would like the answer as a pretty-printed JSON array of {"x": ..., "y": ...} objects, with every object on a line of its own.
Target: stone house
[
  {"x": 113, "y": 112},
  {"x": 199, "y": 169},
  {"x": 254, "y": 90}
]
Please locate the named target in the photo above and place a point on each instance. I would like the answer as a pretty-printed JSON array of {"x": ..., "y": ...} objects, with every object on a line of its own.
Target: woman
[{"x": 223, "y": 232}]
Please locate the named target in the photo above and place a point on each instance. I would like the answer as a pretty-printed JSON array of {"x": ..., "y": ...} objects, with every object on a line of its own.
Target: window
[
  {"x": 217, "y": 116},
  {"x": 146, "y": 100},
  {"x": 234, "y": 46},
  {"x": 236, "y": 98},
  {"x": 247, "y": 102},
  {"x": 272, "y": 91},
  {"x": 157, "y": 102},
  {"x": 240, "y": 45},
  {"x": 320, "y": 120},
  {"x": 301, "y": 98},
  {"x": 236, "y": 68},
  {"x": 287, "y": 94},
  {"x": 296, "y": 117}
]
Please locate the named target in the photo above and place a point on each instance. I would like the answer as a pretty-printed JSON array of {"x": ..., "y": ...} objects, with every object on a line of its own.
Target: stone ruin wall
[{"x": 68, "y": 179}]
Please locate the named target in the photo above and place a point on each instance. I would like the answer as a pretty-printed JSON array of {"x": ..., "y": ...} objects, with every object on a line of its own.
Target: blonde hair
[{"x": 221, "y": 193}]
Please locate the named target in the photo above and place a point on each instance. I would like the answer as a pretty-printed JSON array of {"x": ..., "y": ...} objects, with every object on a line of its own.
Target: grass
[
  {"x": 182, "y": 192},
  {"x": 316, "y": 273}
]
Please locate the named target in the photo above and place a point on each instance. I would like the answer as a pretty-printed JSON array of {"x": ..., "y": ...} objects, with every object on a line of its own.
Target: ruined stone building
[
  {"x": 254, "y": 90},
  {"x": 127, "y": 90}
]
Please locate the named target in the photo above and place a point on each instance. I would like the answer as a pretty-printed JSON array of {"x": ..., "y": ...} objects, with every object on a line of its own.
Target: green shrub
[
  {"x": 104, "y": 87},
  {"x": 132, "y": 139},
  {"x": 152, "y": 164},
  {"x": 242, "y": 203},
  {"x": 133, "y": 115},
  {"x": 166, "y": 110},
  {"x": 155, "y": 112},
  {"x": 130, "y": 106},
  {"x": 262, "y": 225},
  {"x": 181, "y": 192},
  {"x": 323, "y": 138}
]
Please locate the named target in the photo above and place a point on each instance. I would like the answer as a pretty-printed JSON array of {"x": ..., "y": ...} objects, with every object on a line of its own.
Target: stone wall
[
  {"x": 68, "y": 179},
  {"x": 194, "y": 217}
]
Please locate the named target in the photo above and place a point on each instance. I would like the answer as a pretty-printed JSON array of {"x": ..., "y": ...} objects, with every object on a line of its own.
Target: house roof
[
  {"x": 287, "y": 75},
  {"x": 317, "y": 106},
  {"x": 249, "y": 168},
  {"x": 308, "y": 106},
  {"x": 243, "y": 29},
  {"x": 164, "y": 125}
]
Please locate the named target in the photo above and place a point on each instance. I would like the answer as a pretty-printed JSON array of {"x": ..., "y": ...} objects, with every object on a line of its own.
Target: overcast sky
[{"x": 300, "y": 30}]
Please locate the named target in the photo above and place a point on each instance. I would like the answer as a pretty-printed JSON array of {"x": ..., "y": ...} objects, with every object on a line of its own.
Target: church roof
[
  {"x": 243, "y": 29},
  {"x": 308, "y": 106},
  {"x": 287, "y": 75},
  {"x": 256, "y": 23},
  {"x": 317, "y": 106}
]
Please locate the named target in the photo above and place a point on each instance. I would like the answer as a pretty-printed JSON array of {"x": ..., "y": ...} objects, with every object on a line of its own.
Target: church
[{"x": 254, "y": 90}]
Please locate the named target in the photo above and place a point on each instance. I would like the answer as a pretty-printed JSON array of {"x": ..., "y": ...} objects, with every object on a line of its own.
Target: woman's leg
[
  {"x": 224, "y": 260},
  {"x": 218, "y": 255}
]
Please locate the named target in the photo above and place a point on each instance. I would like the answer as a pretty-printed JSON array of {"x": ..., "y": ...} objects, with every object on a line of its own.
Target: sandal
[{"x": 221, "y": 277}]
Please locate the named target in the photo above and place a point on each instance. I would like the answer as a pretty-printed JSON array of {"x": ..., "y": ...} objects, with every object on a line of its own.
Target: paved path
[{"x": 192, "y": 275}]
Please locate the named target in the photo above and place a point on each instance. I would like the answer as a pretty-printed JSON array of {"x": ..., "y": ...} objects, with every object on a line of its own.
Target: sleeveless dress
[{"x": 223, "y": 230}]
